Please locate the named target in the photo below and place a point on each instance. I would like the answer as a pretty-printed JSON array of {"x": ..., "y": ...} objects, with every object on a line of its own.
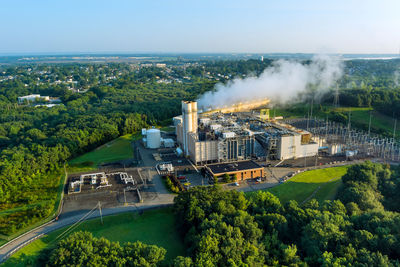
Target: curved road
[{"x": 163, "y": 198}]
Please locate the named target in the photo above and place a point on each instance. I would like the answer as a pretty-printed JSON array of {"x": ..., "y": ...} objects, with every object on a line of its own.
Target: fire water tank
[{"x": 153, "y": 138}]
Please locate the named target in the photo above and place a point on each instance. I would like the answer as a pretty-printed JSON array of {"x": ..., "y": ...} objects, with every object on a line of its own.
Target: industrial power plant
[{"x": 241, "y": 132}]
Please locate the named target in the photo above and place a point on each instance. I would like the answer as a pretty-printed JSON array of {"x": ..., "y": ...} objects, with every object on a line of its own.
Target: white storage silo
[
  {"x": 189, "y": 122},
  {"x": 153, "y": 137}
]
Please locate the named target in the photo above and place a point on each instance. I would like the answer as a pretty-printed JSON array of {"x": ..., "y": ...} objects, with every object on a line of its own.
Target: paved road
[
  {"x": 163, "y": 198},
  {"x": 71, "y": 219}
]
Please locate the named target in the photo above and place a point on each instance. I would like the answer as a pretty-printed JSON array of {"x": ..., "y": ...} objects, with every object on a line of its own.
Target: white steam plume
[{"x": 283, "y": 81}]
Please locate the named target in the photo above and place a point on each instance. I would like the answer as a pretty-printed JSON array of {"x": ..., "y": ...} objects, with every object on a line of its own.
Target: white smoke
[{"x": 283, "y": 81}]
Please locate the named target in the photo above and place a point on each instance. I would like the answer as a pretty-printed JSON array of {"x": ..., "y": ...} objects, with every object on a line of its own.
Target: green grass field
[
  {"x": 114, "y": 150},
  {"x": 156, "y": 227},
  {"x": 378, "y": 120},
  {"x": 168, "y": 129},
  {"x": 321, "y": 184},
  {"x": 359, "y": 116}
]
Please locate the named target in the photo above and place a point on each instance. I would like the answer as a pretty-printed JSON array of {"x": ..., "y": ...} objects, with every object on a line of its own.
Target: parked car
[
  {"x": 258, "y": 179},
  {"x": 181, "y": 177},
  {"x": 236, "y": 184}
]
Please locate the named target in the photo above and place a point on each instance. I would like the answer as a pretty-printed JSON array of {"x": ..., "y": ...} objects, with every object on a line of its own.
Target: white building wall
[
  {"x": 179, "y": 134},
  {"x": 290, "y": 147},
  {"x": 287, "y": 146},
  {"x": 202, "y": 151},
  {"x": 308, "y": 150}
]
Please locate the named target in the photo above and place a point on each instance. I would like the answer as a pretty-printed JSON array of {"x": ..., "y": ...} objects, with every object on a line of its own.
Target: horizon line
[{"x": 178, "y": 53}]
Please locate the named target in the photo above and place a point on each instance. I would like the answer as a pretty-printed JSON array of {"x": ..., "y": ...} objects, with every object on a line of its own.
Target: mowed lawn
[
  {"x": 320, "y": 184},
  {"x": 378, "y": 120},
  {"x": 117, "y": 149},
  {"x": 359, "y": 116},
  {"x": 155, "y": 227}
]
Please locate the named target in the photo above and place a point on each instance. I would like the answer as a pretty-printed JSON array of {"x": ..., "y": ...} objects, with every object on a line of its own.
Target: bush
[
  {"x": 234, "y": 178},
  {"x": 215, "y": 180},
  {"x": 227, "y": 178},
  {"x": 170, "y": 185}
]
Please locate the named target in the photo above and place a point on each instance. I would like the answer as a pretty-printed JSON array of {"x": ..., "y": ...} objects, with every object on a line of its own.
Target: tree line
[{"x": 224, "y": 228}]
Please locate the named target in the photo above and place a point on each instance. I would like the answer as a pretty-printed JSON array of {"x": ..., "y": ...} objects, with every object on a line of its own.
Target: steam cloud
[{"x": 283, "y": 81}]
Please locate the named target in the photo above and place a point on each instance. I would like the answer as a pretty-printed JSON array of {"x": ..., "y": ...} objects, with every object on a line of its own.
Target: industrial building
[
  {"x": 32, "y": 98},
  {"x": 242, "y": 169},
  {"x": 152, "y": 139},
  {"x": 238, "y": 133}
]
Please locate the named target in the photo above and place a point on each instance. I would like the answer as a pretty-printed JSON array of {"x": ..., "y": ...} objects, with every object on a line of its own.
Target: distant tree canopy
[{"x": 384, "y": 100}]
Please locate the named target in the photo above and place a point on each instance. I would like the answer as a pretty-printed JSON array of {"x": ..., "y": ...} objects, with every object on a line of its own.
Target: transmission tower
[{"x": 336, "y": 97}]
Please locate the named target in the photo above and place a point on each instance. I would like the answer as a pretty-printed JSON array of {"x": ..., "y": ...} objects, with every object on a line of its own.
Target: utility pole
[
  {"x": 336, "y": 97},
  {"x": 369, "y": 125},
  {"x": 101, "y": 215},
  {"x": 348, "y": 126},
  {"x": 316, "y": 160}
]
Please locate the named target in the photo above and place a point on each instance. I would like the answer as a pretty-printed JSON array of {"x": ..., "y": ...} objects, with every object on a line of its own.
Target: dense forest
[
  {"x": 224, "y": 228},
  {"x": 386, "y": 101}
]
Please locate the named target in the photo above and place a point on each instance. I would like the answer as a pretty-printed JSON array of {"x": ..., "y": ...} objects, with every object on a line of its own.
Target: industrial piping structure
[{"x": 238, "y": 133}]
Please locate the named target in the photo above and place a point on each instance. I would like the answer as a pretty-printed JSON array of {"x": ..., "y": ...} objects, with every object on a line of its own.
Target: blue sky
[{"x": 307, "y": 26}]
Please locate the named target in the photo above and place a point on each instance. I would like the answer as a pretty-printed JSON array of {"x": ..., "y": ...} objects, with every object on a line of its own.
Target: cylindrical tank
[
  {"x": 153, "y": 137},
  {"x": 189, "y": 122}
]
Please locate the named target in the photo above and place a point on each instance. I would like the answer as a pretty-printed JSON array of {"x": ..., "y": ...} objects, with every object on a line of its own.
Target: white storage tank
[
  {"x": 144, "y": 131},
  {"x": 153, "y": 138}
]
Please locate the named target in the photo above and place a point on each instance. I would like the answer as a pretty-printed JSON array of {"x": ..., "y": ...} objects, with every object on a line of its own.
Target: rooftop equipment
[
  {"x": 169, "y": 143},
  {"x": 166, "y": 167},
  {"x": 228, "y": 135}
]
